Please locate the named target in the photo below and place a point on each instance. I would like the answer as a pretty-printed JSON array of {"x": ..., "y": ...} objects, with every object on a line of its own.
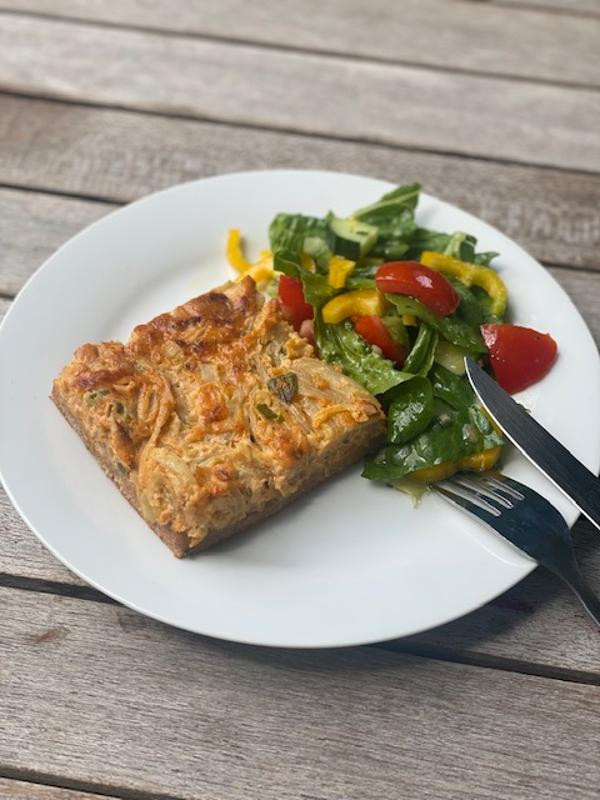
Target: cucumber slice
[{"x": 350, "y": 237}]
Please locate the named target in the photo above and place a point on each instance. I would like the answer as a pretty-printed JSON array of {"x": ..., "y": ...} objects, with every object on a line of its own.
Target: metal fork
[{"x": 527, "y": 520}]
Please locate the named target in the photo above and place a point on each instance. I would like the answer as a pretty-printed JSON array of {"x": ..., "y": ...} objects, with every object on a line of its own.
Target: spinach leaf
[
  {"x": 469, "y": 308},
  {"x": 468, "y": 431},
  {"x": 341, "y": 345},
  {"x": 397, "y": 330},
  {"x": 411, "y": 410},
  {"x": 394, "y": 216},
  {"x": 454, "y": 390},
  {"x": 421, "y": 356},
  {"x": 424, "y": 239},
  {"x": 475, "y": 304},
  {"x": 391, "y": 249},
  {"x": 462, "y": 246},
  {"x": 392, "y": 205},
  {"x": 452, "y": 328},
  {"x": 484, "y": 259}
]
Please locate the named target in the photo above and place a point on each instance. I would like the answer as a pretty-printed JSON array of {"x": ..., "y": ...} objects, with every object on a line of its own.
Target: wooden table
[{"x": 492, "y": 105}]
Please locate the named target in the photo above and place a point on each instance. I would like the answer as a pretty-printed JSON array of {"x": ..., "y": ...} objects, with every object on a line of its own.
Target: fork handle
[{"x": 570, "y": 573}]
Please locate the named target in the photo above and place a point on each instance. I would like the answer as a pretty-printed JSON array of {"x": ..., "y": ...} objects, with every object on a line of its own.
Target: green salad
[{"x": 398, "y": 306}]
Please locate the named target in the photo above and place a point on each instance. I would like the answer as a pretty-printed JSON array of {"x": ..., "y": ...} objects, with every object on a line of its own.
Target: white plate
[{"x": 350, "y": 563}]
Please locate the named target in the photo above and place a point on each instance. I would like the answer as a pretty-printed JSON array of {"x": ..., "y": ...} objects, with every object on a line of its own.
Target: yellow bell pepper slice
[
  {"x": 339, "y": 269},
  {"x": 261, "y": 271},
  {"x": 234, "y": 253},
  {"x": 480, "y": 462},
  {"x": 470, "y": 275},
  {"x": 362, "y": 302}
]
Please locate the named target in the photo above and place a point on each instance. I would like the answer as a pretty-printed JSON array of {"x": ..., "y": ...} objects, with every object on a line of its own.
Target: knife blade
[{"x": 545, "y": 452}]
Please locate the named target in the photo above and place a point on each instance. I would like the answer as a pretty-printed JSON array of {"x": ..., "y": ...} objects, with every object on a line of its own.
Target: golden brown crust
[{"x": 184, "y": 420}]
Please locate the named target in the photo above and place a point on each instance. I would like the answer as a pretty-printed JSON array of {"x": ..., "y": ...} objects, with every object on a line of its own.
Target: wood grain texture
[
  {"x": 119, "y": 155},
  {"x": 33, "y": 226},
  {"x": 24, "y": 790},
  {"x": 483, "y": 38},
  {"x": 315, "y": 94},
  {"x": 568, "y": 6},
  {"x": 530, "y": 625},
  {"x": 23, "y": 555},
  {"x": 240, "y": 722},
  {"x": 536, "y": 626}
]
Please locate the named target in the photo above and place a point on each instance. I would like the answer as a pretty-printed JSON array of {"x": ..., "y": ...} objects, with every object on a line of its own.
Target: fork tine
[
  {"x": 478, "y": 486},
  {"x": 468, "y": 501},
  {"x": 503, "y": 484}
]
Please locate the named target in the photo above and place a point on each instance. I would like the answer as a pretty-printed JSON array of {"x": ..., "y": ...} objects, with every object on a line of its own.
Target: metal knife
[{"x": 545, "y": 452}]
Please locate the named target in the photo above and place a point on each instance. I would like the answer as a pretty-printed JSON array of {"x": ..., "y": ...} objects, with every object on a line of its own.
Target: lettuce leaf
[
  {"x": 341, "y": 345},
  {"x": 289, "y": 231}
]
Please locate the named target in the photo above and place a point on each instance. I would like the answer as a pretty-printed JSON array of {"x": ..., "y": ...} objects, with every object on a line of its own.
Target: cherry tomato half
[
  {"x": 373, "y": 329},
  {"x": 418, "y": 281},
  {"x": 293, "y": 304},
  {"x": 519, "y": 356}
]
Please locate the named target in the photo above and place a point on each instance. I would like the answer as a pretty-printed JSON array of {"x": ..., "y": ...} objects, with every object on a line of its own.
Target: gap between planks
[
  {"x": 92, "y": 158},
  {"x": 248, "y": 84},
  {"x": 569, "y": 8},
  {"x": 19, "y": 784},
  {"x": 87, "y": 593},
  {"x": 247, "y": 125},
  {"x": 207, "y": 701},
  {"x": 114, "y": 202},
  {"x": 273, "y": 46},
  {"x": 525, "y": 42}
]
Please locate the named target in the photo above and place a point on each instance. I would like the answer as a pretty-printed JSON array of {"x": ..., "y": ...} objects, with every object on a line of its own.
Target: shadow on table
[
  {"x": 517, "y": 626},
  {"x": 536, "y": 609}
]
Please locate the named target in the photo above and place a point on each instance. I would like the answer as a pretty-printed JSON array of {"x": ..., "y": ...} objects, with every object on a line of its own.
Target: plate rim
[{"x": 521, "y": 572}]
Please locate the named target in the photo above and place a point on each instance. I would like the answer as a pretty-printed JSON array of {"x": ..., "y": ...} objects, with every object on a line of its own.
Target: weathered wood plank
[
  {"x": 485, "y": 38},
  {"x": 119, "y": 155},
  {"x": 531, "y": 627},
  {"x": 32, "y": 226},
  {"x": 94, "y": 692},
  {"x": 22, "y": 555},
  {"x": 537, "y": 625},
  {"x": 338, "y": 97},
  {"x": 24, "y": 790},
  {"x": 516, "y": 627}
]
